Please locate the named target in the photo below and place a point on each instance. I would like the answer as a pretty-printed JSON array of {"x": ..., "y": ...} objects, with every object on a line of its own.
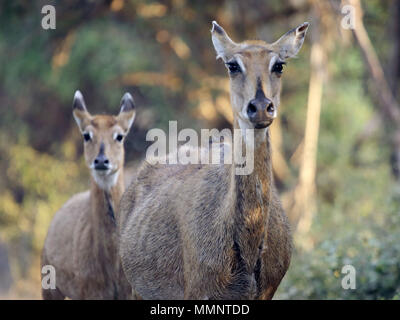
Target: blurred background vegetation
[{"x": 336, "y": 142}]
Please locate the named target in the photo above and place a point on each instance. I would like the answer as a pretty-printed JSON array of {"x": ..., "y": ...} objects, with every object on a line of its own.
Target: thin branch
[{"x": 388, "y": 104}]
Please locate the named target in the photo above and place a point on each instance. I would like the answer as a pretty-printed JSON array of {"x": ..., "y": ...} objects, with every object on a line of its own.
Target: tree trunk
[
  {"x": 305, "y": 193},
  {"x": 381, "y": 92},
  {"x": 304, "y": 196}
]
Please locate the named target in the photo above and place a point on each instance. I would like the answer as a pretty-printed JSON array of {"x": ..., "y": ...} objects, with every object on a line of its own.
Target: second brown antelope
[
  {"x": 202, "y": 231},
  {"x": 81, "y": 243}
]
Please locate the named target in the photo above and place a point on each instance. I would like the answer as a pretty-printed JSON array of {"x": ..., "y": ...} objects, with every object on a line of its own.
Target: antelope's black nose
[
  {"x": 261, "y": 112},
  {"x": 101, "y": 162},
  {"x": 260, "y": 105}
]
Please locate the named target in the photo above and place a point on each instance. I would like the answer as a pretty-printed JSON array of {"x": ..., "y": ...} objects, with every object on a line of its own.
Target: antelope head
[
  {"x": 103, "y": 137},
  {"x": 255, "y": 69}
]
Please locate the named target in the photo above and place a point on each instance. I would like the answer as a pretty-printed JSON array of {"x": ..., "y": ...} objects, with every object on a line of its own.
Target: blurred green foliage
[{"x": 162, "y": 53}]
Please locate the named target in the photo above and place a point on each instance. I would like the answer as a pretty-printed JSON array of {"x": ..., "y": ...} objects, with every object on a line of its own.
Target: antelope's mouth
[
  {"x": 101, "y": 168},
  {"x": 103, "y": 172},
  {"x": 262, "y": 124}
]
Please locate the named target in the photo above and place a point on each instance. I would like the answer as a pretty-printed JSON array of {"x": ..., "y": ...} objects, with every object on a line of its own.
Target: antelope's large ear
[
  {"x": 290, "y": 43},
  {"x": 127, "y": 113},
  {"x": 81, "y": 115},
  {"x": 223, "y": 45}
]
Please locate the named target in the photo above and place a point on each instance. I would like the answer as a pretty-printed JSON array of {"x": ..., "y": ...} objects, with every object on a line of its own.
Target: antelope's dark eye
[
  {"x": 233, "y": 67},
  {"x": 119, "y": 137},
  {"x": 86, "y": 136},
  {"x": 278, "y": 67}
]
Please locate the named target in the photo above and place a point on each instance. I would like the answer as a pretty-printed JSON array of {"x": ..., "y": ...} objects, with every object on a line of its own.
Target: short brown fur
[
  {"x": 82, "y": 241},
  {"x": 201, "y": 231}
]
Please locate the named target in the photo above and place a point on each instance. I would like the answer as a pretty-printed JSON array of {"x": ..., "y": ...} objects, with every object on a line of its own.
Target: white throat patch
[
  {"x": 104, "y": 180},
  {"x": 260, "y": 135}
]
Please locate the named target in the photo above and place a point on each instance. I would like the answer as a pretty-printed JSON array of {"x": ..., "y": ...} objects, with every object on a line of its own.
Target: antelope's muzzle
[
  {"x": 101, "y": 162},
  {"x": 261, "y": 112}
]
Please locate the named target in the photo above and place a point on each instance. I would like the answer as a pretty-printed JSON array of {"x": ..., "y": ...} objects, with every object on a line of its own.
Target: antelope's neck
[
  {"x": 253, "y": 194},
  {"x": 105, "y": 203}
]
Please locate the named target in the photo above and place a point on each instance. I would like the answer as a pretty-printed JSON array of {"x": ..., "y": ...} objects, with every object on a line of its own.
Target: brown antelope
[
  {"x": 201, "y": 231},
  {"x": 81, "y": 243}
]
